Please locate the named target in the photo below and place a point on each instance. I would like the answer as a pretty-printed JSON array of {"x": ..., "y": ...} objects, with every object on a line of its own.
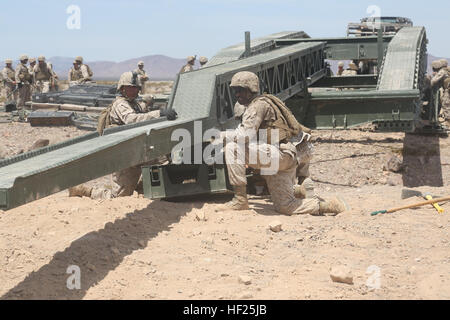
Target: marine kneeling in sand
[
  {"x": 281, "y": 160},
  {"x": 124, "y": 110}
]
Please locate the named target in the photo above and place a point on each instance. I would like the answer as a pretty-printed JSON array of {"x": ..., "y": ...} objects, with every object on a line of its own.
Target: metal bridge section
[
  {"x": 391, "y": 100},
  {"x": 345, "y": 48},
  {"x": 202, "y": 95},
  {"x": 257, "y": 46},
  {"x": 405, "y": 62}
]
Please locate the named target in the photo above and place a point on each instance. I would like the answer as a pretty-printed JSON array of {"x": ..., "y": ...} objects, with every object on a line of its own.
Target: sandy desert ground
[{"x": 135, "y": 248}]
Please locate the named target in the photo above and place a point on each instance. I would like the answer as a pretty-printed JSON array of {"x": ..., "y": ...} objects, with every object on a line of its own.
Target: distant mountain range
[{"x": 159, "y": 67}]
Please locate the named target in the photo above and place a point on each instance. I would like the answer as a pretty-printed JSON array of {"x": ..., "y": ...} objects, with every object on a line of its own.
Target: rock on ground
[
  {"x": 275, "y": 226},
  {"x": 341, "y": 274}
]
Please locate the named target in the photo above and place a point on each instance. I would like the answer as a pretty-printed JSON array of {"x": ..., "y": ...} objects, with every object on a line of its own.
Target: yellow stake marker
[{"x": 438, "y": 208}]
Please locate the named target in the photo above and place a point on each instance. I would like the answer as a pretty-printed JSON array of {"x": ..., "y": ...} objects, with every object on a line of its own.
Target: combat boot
[
  {"x": 80, "y": 191},
  {"x": 239, "y": 201},
  {"x": 305, "y": 190},
  {"x": 332, "y": 207}
]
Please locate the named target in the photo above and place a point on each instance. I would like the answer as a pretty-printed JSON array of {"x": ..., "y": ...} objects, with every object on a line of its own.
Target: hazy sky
[{"x": 117, "y": 30}]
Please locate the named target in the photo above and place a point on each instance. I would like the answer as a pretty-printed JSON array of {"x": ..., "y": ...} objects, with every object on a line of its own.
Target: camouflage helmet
[
  {"x": 140, "y": 63},
  {"x": 8, "y": 61},
  {"x": 436, "y": 64},
  {"x": 79, "y": 59},
  {"x": 32, "y": 60},
  {"x": 444, "y": 63},
  {"x": 353, "y": 66},
  {"x": 129, "y": 79},
  {"x": 191, "y": 58},
  {"x": 203, "y": 60},
  {"x": 41, "y": 59},
  {"x": 246, "y": 79},
  {"x": 341, "y": 64},
  {"x": 23, "y": 57}
]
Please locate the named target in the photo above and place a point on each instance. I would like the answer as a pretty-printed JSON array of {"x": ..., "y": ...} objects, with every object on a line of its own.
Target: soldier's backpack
[
  {"x": 104, "y": 120},
  {"x": 89, "y": 70},
  {"x": 447, "y": 83},
  {"x": 285, "y": 122}
]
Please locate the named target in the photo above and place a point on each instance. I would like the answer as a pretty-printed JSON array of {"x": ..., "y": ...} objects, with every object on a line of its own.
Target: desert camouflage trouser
[
  {"x": 24, "y": 96},
  {"x": 7, "y": 89},
  {"x": 306, "y": 151},
  {"x": 124, "y": 182},
  {"x": 42, "y": 86},
  {"x": 446, "y": 104},
  {"x": 280, "y": 183}
]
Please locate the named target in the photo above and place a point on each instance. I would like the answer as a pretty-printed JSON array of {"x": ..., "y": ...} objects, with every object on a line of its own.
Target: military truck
[{"x": 370, "y": 26}]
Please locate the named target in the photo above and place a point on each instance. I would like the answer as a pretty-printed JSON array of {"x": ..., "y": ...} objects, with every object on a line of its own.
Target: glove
[{"x": 169, "y": 113}]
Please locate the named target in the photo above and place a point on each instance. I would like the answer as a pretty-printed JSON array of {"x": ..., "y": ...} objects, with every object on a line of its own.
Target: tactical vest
[
  {"x": 11, "y": 74},
  {"x": 75, "y": 74},
  {"x": 285, "y": 122},
  {"x": 104, "y": 120},
  {"x": 88, "y": 70},
  {"x": 186, "y": 68},
  {"x": 447, "y": 83},
  {"x": 24, "y": 75},
  {"x": 42, "y": 74}
]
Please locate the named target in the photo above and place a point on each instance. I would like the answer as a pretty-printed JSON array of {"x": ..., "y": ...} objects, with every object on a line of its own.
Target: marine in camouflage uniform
[
  {"x": 260, "y": 114},
  {"x": 340, "y": 68},
  {"x": 446, "y": 100},
  {"x": 23, "y": 80},
  {"x": 303, "y": 187},
  {"x": 352, "y": 70},
  {"x": 86, "y": 72},
  {"x": 9, "y": 81},
  {"x": 189, "y": 66},
  {"x": 75, "y": 75},
  {"x": 32, "y": 64},
  {"x": 440, "y": 74},
  {"x": 142, "y": 75},
  {"x": 203, "y": 61},
  {"x": 124, "y": 110},
  {"x": 43, "y": 76}
]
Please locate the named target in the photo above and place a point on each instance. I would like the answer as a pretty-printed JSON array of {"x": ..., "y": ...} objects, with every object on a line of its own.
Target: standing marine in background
[
  {"x": 203, "y": 61},
  {"x": 438, "y": 78},
  {"x": 352, "y": 70},
  {"x": 44, "y": 78},
  {"x": 190, "y": 64},
  {"x": 340, "y": 68},
  {"x": 32, "y": 64},
  {"x": 9, "y": 81},
  {"x": 23, "y": 80},
  {"x": 142, "y": 75}
]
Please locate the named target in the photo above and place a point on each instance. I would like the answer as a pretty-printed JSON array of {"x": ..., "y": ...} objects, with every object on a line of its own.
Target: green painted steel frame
[
  {"x": 345, "y": 48},
  {"x": 394, "y": 110}
]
